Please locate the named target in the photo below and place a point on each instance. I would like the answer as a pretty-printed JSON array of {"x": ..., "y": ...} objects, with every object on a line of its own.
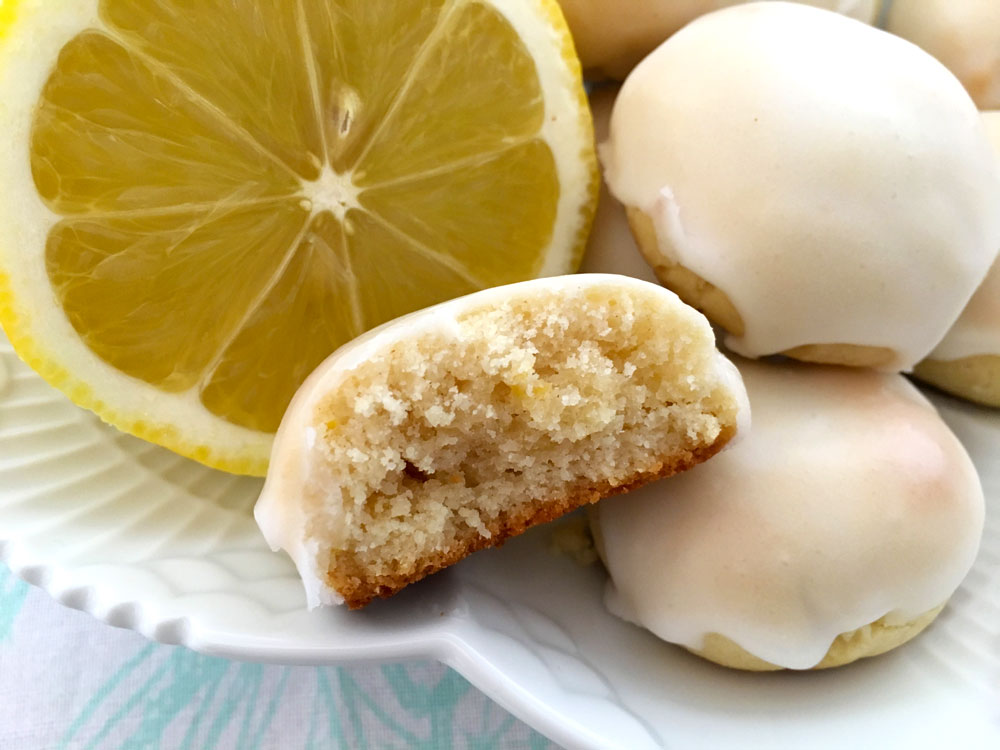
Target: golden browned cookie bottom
[
  {"x": 351, "y": 580},
  {"x": 870, "y": 640},
  {"x": 709, "y": 299}
]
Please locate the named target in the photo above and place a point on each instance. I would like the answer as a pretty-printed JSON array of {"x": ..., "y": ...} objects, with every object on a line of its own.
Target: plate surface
[{"x": 144, "y": 539}]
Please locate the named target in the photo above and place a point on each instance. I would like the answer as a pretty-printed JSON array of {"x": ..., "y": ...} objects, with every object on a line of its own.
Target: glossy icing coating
[
  {"x": 833, "y": 198},
  {"x": 977, "y": 330},
  {"x": 849, "y": 500},
  {"x": 963, "y": 34}
]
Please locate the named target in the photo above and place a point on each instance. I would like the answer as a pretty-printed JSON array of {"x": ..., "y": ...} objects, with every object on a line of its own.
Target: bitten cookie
[{"x": 456, "y": 427}]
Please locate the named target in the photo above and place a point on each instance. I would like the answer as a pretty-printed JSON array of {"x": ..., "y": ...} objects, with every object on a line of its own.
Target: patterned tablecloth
[{"x": 70, "y": 682}]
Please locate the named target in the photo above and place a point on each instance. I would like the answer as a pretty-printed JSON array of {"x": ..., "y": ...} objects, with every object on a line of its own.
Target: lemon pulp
[{"x": 243, "y": 187}]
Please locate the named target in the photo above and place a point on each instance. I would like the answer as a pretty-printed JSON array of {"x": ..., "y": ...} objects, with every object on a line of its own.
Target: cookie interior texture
[
  {"x": 870, "y": 640},
  {"x": 975, "y": 378},
  {"x": 447, "y": 443}
]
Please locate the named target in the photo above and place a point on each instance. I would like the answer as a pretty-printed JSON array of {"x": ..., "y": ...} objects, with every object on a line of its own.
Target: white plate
[{"x": 144, "y": 539}]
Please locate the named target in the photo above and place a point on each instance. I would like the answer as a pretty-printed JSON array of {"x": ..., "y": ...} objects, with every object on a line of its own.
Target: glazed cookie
[
  {"x": 835, "y": 208},
  {"x": 458, "y": 426},
  {"x": 835, "y": 530},
  {"x": 967, "y": 361},
  {"x": 611, "y": 247},
  {"x": 963, "y": 34},
  {"x": 612, "y": 36}
]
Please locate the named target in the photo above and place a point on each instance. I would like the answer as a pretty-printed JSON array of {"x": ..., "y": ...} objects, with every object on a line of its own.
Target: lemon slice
[{"x": 204, "y": 199}]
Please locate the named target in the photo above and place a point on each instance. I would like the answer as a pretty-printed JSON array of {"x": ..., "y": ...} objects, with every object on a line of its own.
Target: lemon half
[{"x": 204, "y": 198}]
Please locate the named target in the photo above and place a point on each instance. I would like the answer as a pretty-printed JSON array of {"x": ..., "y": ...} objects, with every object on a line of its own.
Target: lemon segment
[
  {"x": 305, "y": 314},
  {"x": 110, "y": 134},
  {"x": 448, "y": 110},
  {"x": 206, "y": 199},
  {"x": 245, "y": 60},
  {"x": 496, "y": 232},
  {"x": 143, "y": 291},
  {"x": 410, "y": 276},
  {"x": 363, "y": 53}
]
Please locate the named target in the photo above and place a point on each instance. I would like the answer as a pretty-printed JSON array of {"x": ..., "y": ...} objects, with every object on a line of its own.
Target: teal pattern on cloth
[
  {"x": 12, "y": 595},
  {"x": 98, "y": 688}
]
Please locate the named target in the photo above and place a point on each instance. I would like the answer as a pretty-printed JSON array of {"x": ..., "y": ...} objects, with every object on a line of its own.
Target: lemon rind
[{"x": 247, "y": 451}]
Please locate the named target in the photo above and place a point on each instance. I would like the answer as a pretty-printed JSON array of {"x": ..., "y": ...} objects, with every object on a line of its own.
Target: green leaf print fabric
[{"x": 69, "y": 682}]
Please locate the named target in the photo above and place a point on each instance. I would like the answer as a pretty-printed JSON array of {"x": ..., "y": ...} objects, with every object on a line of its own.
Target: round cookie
[
  {"x": 967, "y": 361},
  {"x": 834, "y": 530},
  {"x": 612, "y": 36},
  {"x": 963, "y": 34},
  {"x": 835, "y": 208},
  {"x": 610, "y": 246}
]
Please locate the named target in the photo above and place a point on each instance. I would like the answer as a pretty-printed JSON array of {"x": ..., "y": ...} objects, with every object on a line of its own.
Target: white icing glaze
[
  {"x": 611, "y": 247},
  {"x": 849, "y": 500},
  {"x": 290, "y": 485},
  {"x": 977, "y": 330},
  {"x": 611, "y": 36},
  {"x": 962, "y": 34},
  {"x": 834, "y": 198}
]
